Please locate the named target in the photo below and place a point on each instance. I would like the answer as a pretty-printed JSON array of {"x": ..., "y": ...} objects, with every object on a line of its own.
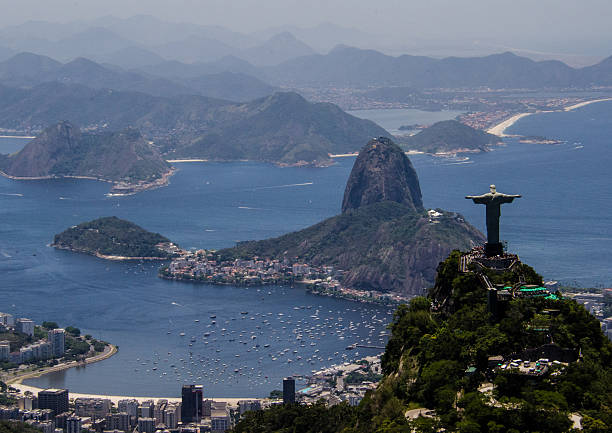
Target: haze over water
[{"x": 560, "y": 226}]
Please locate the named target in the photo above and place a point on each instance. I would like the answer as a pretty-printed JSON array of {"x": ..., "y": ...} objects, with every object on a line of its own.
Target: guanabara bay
[{"x": 305, "y": 217}]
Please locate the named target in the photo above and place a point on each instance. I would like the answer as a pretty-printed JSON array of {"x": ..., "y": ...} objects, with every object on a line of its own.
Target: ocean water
[
  {"x": 560, "y": 226},
  {"x": 392, "y": 119}
]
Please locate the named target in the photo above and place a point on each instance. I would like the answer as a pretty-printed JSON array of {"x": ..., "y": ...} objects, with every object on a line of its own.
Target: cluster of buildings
[
  {"x": 205, "y": 266},
  {"x": 53, "y": 411},
  {"x": 347, "y": 382},
  {"x": 54, "y": 346},
  {"x": 598, "y": 304}
]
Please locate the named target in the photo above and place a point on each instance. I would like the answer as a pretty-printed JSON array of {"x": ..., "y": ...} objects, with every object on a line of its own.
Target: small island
[{"x": 112, "y": 238}]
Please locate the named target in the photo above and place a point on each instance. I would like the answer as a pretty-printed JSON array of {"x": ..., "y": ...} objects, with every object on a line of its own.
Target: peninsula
[
  {"x": 112, "y": 238},
  {"x": 383, "y": 242},
  {"x": 123, "y": 158}
]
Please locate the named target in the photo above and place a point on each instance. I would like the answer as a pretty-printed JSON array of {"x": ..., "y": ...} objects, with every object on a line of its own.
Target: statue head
[{"x": 492, "y": 189}]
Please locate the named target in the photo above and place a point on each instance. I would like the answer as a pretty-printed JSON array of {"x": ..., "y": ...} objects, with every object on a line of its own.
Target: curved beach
[{"x": 500, "y": 128}]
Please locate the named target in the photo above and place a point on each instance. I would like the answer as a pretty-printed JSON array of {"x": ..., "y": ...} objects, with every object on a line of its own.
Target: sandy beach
[
  {"x": 582, "y": 104},
  {"x": 502, "y": 126},
  {"x": 115, "y": 398}
]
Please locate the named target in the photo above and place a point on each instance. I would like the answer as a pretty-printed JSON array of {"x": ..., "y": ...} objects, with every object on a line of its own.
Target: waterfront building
[
  {"x": 172, "y": 415},
  {"x": 206, "y": 408},
  {"x": 146, "y": 425},
  {"x": 288, "y": 390},
  {"x": 74, "y": 424},
  {"x": 146, "y": 408},
  {"x": 158, "y": 411},
  {"x": 27, "y": 403},
  {"x": 94, "y": 408},
  {"x": 6, "y": 319},
  {"x": 191, "y": 403},
  {"x": 54, "y": 399},
  {"x": 25, "y": 326},
  {"x": 129, "y": 406},
  {"x": 57, "y": 338},
  {"x": 5, "y": 350}
]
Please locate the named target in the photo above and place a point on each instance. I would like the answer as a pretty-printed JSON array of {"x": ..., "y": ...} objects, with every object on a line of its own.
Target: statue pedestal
[{"x": 493, "y": 249}]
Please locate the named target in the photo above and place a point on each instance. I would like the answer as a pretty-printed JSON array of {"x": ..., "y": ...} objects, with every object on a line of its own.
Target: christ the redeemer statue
[{"x": 493, "y": 200}]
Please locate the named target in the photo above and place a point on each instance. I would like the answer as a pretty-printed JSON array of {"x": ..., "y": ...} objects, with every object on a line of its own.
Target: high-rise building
[
  {"x": 172, "y": 415},
  {"x": 6, "y": 319},
  {"x": 288, "y": 390},
  {"x": 57, "y": 338},
  {"x": 146, "y": 425},
  {"x": 191, "y": 403},
  {"x": 73, "y": 424},
  {"x": 5, "y": 350},
  {"x": 25, "y": 326},
  {"x": 95, "y": 408},
  {"x": 130, "y": 406},
  {"x": 54, "y": 399}
]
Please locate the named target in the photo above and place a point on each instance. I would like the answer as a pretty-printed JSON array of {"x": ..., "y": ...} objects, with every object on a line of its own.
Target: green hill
[
  {"x": 111, "y": 236},
  {"x": 449, "y": 136},
  {"x": 439, "y": 360},
  {"x": 62, "y": 150}
]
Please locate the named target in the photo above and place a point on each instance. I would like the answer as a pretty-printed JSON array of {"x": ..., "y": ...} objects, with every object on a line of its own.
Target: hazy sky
[{"x": 554, "y": 25}]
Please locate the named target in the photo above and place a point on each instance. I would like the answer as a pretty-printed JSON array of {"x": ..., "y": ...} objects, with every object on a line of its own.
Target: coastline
[
  {"x": 500, "y": 128},
  {"x": 119, "y": 189},
  {"x": 232, "y": 401},
  {"x": 104, "y": 256},
  {"x": 16, "y": 381}
]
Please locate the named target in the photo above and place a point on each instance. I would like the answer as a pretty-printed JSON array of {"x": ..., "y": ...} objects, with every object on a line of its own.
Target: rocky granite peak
[{"x": 382, "y": 172}]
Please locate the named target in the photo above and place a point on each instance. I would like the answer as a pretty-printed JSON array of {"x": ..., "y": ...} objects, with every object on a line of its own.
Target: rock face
[
  {"x": 382, "y": 172},
  {"x": 62, "y": 150},
  {"x": 384, "y": 239}
]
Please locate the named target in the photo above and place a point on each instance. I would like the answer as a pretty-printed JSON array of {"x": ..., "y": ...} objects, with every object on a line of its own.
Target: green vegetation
[
  {"x": 61, "y": 150},
  {"x": 449, "y": 136},
  {"x": 111, "y": 236},
  {"x": 50, "y": 325},
  {"x": 429, "y": 351},
  {"x": 375, "y": 244},
  {"x": 16, "y": 427},
  {"x": 75, "y": 332},
  {"x": 300, "y": 419},
  {"x": 277, "y": 393}
]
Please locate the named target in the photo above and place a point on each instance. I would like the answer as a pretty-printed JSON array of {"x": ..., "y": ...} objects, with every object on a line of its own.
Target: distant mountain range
[
  {"x": 28, "y": 70},
  {"x": 111, "y": 40},
  {"x": 362, "y": 68}
]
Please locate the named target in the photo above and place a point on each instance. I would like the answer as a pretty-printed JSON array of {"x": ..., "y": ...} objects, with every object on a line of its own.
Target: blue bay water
[{"x": 560, "y": 226}]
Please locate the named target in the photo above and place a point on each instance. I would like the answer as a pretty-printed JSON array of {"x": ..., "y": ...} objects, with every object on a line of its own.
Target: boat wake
[
  {"x": 11, "y": 194},
  {"x": 289, "y": 185}
]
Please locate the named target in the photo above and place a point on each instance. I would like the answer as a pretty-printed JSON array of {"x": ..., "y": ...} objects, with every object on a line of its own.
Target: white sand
[
  {"x": 501, "y": 127},
  {"x": 582, "y": 104},
  {"x": 115, "y": 398}
]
